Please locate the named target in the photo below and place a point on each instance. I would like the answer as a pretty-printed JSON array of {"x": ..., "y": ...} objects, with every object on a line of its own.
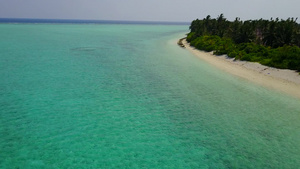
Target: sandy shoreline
[{"x": 282, "y": 80}]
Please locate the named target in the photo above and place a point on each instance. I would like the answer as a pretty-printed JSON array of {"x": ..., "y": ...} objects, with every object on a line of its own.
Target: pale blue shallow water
[{"x": 126, "y": 96}]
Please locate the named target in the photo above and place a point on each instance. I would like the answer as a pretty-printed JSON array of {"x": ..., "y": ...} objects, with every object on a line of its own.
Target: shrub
[{"x": 281, "y": 57}]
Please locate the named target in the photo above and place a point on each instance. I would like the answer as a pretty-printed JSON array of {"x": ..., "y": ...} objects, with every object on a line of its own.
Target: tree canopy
[{"x": 271, "y": 42}]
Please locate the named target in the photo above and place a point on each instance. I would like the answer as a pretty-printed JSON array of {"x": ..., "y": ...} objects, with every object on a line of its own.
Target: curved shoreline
[{"x": 282, "y": 80}]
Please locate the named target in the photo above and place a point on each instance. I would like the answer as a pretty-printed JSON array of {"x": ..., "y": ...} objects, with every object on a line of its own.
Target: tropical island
[
  {"x": 265, "y": 52},
  {"x": 273, "y": 43}
]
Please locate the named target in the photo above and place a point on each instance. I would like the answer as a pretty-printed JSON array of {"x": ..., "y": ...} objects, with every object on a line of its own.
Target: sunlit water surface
[{"x": 126, "y": 96}]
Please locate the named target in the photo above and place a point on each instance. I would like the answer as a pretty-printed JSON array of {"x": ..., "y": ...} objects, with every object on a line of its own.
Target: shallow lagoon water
[{"x": 126, "y": 96}]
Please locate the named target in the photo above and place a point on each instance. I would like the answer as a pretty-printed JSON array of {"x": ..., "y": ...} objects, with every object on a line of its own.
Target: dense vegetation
[{"x": 274, "y": 43}]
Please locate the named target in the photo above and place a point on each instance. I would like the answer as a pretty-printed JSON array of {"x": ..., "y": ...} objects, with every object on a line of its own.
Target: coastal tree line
[{"x": 273, "y": 42}]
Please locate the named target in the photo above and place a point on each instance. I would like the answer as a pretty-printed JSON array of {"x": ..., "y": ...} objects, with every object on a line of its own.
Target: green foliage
[
  {"x": 274, "y": 33},
  {"x": 273, "y": 43},
  {"x": 224, "y": 46},
  {"x": 191, "y": 36},
  {"x": 206, "y": 43}
]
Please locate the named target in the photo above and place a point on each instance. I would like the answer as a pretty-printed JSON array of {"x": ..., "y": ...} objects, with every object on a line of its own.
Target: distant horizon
[
  {"x": 109, "y": 20},
  {"x": 135, "y": 21},
  {"x": 47, "y": 20},
  {"x": 154, "y": 10}
]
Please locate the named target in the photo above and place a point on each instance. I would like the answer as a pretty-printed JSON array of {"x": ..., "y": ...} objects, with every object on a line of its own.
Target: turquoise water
[{"x": 126, "y": 96}]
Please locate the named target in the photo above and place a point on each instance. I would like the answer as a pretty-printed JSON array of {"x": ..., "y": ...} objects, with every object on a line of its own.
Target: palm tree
[{"x": 221, "y": 25}]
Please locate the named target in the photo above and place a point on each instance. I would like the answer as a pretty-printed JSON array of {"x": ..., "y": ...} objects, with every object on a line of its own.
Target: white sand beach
[{"x": 282, "y": 80}]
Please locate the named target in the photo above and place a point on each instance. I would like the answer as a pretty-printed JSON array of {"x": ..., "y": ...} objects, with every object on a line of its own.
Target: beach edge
[{"x": 281, "y": 80}]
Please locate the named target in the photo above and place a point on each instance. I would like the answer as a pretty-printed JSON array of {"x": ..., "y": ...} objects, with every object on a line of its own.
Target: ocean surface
[{"x": 126, "y": 96}]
